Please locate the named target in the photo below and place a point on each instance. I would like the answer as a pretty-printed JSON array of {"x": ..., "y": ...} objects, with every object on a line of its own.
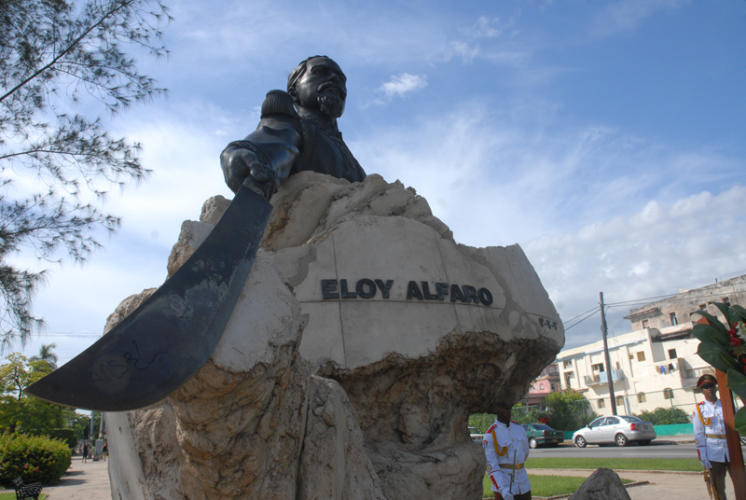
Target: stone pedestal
[{"x": 363, "y": 339}]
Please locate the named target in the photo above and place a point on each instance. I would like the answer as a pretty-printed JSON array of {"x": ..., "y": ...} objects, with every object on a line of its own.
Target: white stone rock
[{"x": 399, "y": 375}]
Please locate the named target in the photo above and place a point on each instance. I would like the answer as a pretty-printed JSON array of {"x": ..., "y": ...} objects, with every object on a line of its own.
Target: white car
[
  {"x": 618, "y": 429},
  {"x": 475, "y": 435}
]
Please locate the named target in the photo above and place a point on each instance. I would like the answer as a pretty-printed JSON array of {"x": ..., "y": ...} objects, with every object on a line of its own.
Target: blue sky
[{"x": 606, "y": 138}]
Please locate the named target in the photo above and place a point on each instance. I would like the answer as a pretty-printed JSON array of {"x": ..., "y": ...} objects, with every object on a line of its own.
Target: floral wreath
[{"x": 724, "y": 347}]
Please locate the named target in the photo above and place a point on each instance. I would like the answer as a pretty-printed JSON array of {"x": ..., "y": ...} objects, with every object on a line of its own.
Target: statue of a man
[{"x": 297, "y": 131}]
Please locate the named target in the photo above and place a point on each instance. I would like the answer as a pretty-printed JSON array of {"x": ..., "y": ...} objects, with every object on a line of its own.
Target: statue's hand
[{"x": 243, "y": 166}]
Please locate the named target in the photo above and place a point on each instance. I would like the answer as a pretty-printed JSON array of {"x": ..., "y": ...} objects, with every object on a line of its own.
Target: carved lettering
[
  {"x": 485, "y": 296},
  {"x": 413, "y": 291},
  {"x": 426, "y": 291},
  {"x": 368, "y": 288},
  {"x": 343, "y": 290},
  {"x": 457, "y": 294},
  {"x": 470, "y": 294},
  {"x": 329, "y": 289},
  {"x": 365, "y": 288},
  {"x": 384, "y": 287}
]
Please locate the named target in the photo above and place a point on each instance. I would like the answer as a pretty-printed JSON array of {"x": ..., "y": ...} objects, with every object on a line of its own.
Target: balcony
[
  {"x": 601, "y": 378},
  {"x": 689, "y": 375}
]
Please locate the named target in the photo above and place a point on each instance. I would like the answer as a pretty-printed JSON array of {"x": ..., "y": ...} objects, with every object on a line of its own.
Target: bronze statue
[
  {"x": 163, "y": 342},
  {"x": 297, "y": 131}
]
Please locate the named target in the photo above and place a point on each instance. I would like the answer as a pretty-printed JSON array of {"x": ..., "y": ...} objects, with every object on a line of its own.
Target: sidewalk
[
  {"x": 90, "y": 481},
  {"x": 82, "y": 481},
  {"x": 663, "y": 485}
]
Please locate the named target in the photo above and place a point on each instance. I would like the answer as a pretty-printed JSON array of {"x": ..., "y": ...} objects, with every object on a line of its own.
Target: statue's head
[{"x": 318, "y": 83}]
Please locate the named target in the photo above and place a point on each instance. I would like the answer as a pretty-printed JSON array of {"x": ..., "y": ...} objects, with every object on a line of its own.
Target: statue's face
[{"x": 322, "y": 87}]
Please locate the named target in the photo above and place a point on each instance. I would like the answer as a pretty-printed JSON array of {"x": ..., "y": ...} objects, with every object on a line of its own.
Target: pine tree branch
[{"x": 67, "y": 49}]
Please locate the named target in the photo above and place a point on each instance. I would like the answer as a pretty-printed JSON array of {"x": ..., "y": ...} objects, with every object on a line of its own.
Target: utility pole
[{"x": 606, "y": 356}]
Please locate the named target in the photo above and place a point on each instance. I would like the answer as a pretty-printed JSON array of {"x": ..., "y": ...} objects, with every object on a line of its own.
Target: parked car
[
  {"x": 475, "y": 435},
  {"x": 542, "y": 434},
  {"x": 618, "y": 429}
]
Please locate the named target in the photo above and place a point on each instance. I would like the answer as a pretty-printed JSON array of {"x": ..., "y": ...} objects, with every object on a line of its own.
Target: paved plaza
[{"x": 90, "y": 481}]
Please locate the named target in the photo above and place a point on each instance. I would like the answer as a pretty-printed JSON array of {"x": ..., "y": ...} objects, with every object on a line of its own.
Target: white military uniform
[
  {"x": 709, "y": 431},
  {"x": 506, "y": 450}
]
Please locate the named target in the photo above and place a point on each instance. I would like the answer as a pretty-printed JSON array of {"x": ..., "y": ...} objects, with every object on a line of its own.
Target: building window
[
  {"x": 641, "y": 356},
  {"x": 645, "y": 323},
  {"x": 674, "y": 321},
  {"x": 601, "y": 403},
  {"x": 672, "y": 354},
  {"x": 566, "y": 364},
  {"x": 598, "y": 367},
  {"x": 667, "y": 393},
  {"x": 641, "y": 397},
  {"x": 631, "y": 357},
  {"x": 725, "y": 300},
  {"x": 620, "y": 401},
  {"x": 568, "y": 379}
]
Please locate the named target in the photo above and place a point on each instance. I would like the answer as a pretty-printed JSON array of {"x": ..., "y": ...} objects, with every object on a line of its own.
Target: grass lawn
[
  {"x": 12, "y": 496},
  {"x": 545, "y": 486},
  {"x": 679, "y": 464},
  {"x": 548, "y": 485}
]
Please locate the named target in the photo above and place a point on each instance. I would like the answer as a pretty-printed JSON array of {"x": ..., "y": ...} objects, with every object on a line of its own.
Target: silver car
[
  {"x": 618, "y": 429},
  {"x": 475, "y": 435}
]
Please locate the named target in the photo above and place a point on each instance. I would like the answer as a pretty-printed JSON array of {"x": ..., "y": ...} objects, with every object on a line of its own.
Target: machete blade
[{"x": 162, "y": 343}]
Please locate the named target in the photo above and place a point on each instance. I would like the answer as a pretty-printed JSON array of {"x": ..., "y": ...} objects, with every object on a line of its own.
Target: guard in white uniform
[
  {"x": 506, "y": 449},
  {"x": 709, "y": 432}
]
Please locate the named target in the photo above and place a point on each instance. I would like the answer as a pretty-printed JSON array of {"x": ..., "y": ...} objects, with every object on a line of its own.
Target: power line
[
  {"x": 592, "y": 309},
  {"x": 67, "y": 334},
  {"x": 587, "y": 316},
  {"x": 579, "y": 318},
  {"x": 646, "y": 300}
]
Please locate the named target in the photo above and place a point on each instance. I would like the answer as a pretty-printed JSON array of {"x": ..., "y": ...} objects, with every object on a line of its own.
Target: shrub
[
  {"x": 33, "y": 458},
  {"x": 65, "y": 435},
  {"x": 527, "y": 414},
  {"x": 481, "y": 421},
  {"x": 568, "y": 410},
  {"x": 664, "y": 416}
]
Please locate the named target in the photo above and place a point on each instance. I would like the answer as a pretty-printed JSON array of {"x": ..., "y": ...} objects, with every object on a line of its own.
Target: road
[{"x": 656, "y": 449}]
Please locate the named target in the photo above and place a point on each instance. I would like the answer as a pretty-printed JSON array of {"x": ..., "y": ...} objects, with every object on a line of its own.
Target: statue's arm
[{"x": 267, "y": 155}]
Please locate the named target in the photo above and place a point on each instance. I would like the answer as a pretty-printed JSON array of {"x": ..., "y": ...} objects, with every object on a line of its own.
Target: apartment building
[
  {"x": 677, "y": 309},
  {"x": 546, "y": 383},
  {"x": 656, "y": 364}
]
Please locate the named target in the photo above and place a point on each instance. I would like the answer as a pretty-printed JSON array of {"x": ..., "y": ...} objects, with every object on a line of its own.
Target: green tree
[
  {"x": 665, "y": 416},
  {"x": 20, "y": 412},
  {"x": 47, "y": 355},
  {"x": 526, "y": 414},
  {"x": 567, "y": 410},
  {"x": 481, "y": 421},
  {"x": 62, "y": 63}
]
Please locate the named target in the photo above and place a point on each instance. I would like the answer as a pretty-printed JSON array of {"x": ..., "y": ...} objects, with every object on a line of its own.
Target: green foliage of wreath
[{"x": 724, "y": 347}]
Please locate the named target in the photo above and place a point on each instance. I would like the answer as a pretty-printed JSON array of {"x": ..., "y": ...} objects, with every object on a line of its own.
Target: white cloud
[
  {"x": 594, "y": 209},
  {"x": 654, "y": 251},
  {"x": 627, "y": 15},
  {"x": 403, "y": 83},
  {"x": 486, "y": 27}
]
